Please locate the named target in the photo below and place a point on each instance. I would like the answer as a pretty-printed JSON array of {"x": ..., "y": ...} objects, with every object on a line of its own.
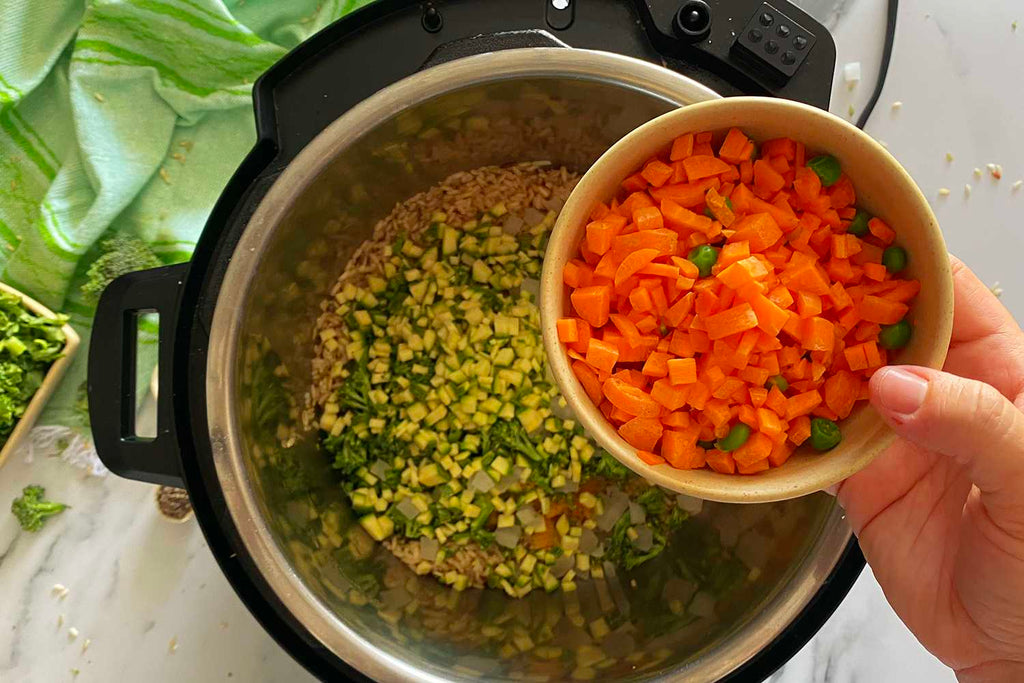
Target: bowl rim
[
  {"x": 727, "y": 488},
  {"x": 50, "y": 380}
]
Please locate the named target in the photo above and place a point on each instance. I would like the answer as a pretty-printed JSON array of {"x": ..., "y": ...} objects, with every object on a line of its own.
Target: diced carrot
[
  {"x": 649, "y": 458},
  {"x": 627, "y": 327},
  {"x": 588, "y": 378},
  {"x": 682, "y": 370},
  {"x": 781, "y": 297},
  {"x": 664, "y": 241},
  {"x": 760, "y": 230},
  {"x": 739, "y": 318},
  {"x": 670, "y": 396},
  {"x": 881, "y": 230},
  {"x": 882, "y": 311},
  {"x": 577, "y": 274},
  {"x": 769, "y": 316},
  {"x": 679, "y": 448},
  {"x": 808, "y": 305},
  {"x": 599, "y": 236},
  {"x": 664, "y": 270},
  {"x": 642, "y": 432},
  {"x": 874, "y": 271},
  {"x": 841, "y": 391},
  {"x": 592, "y": 303},
  {"x": 767, "y": 180},
  {"x": 801, "y": 404},
  {"x": 755, "y": 449},
  {"x": 679, "y": 218},
  {"x": 567, "y": 330},
  {"x": 648, "y": 218},
  {"x": 633, "y": 262},
  {"x": 721, "y": 462},
  {"x": 656, "y": 172},
  {"x": 601, "y": 355},
  {"x": 702, "y": 166},
  {"x": 640, "y": 298},
  {"x": 685, "y": 194},
  {"x": 733, "y": 147},
  {"x": 780, "y": 453},
  {"x": 682, "y": 147},
  {"x": 677, "y": 419},
  {"x": 719, "y": 207},
  {"x": 807, "y": 184},
  {"x": 656, "y": 365},
  {"x": 630, "y": 399},
  {"x": 698, "y": 395}
]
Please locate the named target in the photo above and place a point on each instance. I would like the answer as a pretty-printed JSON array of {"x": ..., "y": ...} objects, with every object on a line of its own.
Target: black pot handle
[{"x": 112, "y": 379}]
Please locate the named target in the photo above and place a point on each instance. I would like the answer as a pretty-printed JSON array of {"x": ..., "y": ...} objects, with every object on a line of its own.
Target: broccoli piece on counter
[
  {"x": 121, "y": 254},
  {"x": 32, "y": 511}
]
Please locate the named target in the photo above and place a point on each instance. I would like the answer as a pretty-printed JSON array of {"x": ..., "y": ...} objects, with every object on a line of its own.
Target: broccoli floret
[
  {"x": 620, "y": 549},
  {"x": 509, "y": 436},
  {"x": 32, "y": 511},
  {"x": 354, "y": 392},
  {"x": 653, "y": 501},
  {"x": 349, "y": 451},
  {"x": 121, "y": 254},
  {"x": 604, "y": 465}
]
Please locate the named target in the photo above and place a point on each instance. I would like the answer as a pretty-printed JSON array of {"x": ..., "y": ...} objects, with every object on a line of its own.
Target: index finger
[{"x": 977, "y": 312}]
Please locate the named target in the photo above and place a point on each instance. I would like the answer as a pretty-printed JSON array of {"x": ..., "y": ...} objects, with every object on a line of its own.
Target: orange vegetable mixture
[{"x": 673, "y": 359}]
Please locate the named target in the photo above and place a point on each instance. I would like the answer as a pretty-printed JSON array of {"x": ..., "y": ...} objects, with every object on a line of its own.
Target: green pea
[
  {"x": 894, "y": 259},
  {"x": 827, "y": 168},
  {"x": 704, "y": 257},
  {"x": 736, "y": 437},
  {"x": 706, "y": 445},
  {"x": 825, "y": 434},
  {"x": 859, "y": 225},
  {"x": 777, "y": 381},
  {"x": 895, "y": 336}
]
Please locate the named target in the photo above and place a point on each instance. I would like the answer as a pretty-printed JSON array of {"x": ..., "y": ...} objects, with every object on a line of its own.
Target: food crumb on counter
[
  {"x": 943, "y": 191},
  {"x": 949, "y": 157},
  {"x": 850, "y": 110},
  {"x": 60, "y": 590},
  {"x": 86, "y": 644},
  {"x": 172, "y": 646},
  {"x": 72, "y": 633},
  {"x": 977, "y": 172},
  {"x": 897, "y": 105},
  {"x": 60, "y": 620},
  {"x": 995, "y": 170},
  {"x": 75, "y": 672},
  {"x": 99, "y": 98},
  {"x": 165, "y": 176},
  {"x": 996, "y": 289},
  {"x": 851, "y": 74},
  {"x": 1017, "y": 185},
  {"x": 967, "y": 190}
]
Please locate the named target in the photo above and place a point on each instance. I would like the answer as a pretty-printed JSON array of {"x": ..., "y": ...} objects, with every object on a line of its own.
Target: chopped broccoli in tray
[
  {"x": 32, "y": 511},
  {"x": 121, "y": 254},
  {"x": 29, "y": 344}
]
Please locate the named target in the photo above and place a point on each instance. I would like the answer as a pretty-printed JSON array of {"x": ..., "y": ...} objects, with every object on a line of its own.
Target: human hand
[{"x": 940, "y": 514}]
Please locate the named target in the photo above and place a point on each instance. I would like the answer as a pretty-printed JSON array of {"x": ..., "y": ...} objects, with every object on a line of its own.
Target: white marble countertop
[{"x": 138, "y": 583}]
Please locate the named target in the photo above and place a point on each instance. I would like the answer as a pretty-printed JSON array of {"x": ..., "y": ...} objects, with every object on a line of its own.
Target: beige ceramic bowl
[
  {"x": 50, "y": 382},
  {"x": 883, "y": 188}
]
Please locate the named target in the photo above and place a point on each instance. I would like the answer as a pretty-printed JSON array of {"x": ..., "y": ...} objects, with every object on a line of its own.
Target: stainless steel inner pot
[{"x": 664, "y": 620}]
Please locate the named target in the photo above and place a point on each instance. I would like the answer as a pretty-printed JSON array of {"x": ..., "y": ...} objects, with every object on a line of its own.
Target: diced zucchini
[{"x": 379, "y": 528}]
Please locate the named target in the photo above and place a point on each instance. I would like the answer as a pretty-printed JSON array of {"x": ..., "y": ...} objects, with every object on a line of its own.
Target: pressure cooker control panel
[{"x": 764, "y": 42}]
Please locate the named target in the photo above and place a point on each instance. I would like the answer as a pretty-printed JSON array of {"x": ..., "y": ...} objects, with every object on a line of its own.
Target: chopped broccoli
[
  {"x": 620, "y": 549},
  {"x": 653, "y": 501},
  {"x": 509, "y": 436},
  {"x": 349, "y": 451},
  {"x": 354, "y": 392},
  {"x": 121, "y": 254},
  {"x": 32, "y": 511},
  {"x": 604, "y": 465}
]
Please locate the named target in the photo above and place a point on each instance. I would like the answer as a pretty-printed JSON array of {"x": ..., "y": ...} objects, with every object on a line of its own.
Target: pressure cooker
[{"x": 340, "y": 142}]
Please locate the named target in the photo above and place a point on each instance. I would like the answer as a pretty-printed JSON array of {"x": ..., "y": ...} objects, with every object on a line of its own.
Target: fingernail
[{"x": 902, "y": 392}]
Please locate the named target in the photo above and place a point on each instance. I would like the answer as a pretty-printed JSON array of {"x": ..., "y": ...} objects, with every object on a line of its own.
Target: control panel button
[{"x": 774, "y": 40}]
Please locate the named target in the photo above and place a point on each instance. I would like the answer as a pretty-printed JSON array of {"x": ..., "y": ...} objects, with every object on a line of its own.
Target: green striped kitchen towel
[{"x": 124, "y": 116}]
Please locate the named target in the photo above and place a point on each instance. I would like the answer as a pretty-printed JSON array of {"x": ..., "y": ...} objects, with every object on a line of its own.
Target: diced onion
[
  {"x": 513, "y": 224},
  {"x": 689, "y": 504},
  {"x": 614, "y": 505},
  {"x": 379, "y": 469},
  {"x": 637, "y": 514},
  {"x": 480, "y": 482},
  {"x": 528, "y": 517},
  {"x": 562, "y": 565},
  {"x": 408, "y": 508},
  {"x": 703, "y": 604},
  {"x": 533, "y": 217},
  {"x": 588, "y": 542},
  {"x": 644, "y": 538},
  {"x": 429, "y": 548},
  {"x": 508, "y": 537}
]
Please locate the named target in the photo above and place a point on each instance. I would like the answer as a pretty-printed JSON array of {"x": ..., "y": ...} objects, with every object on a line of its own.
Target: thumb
[{"x": 966, "y": 420}]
